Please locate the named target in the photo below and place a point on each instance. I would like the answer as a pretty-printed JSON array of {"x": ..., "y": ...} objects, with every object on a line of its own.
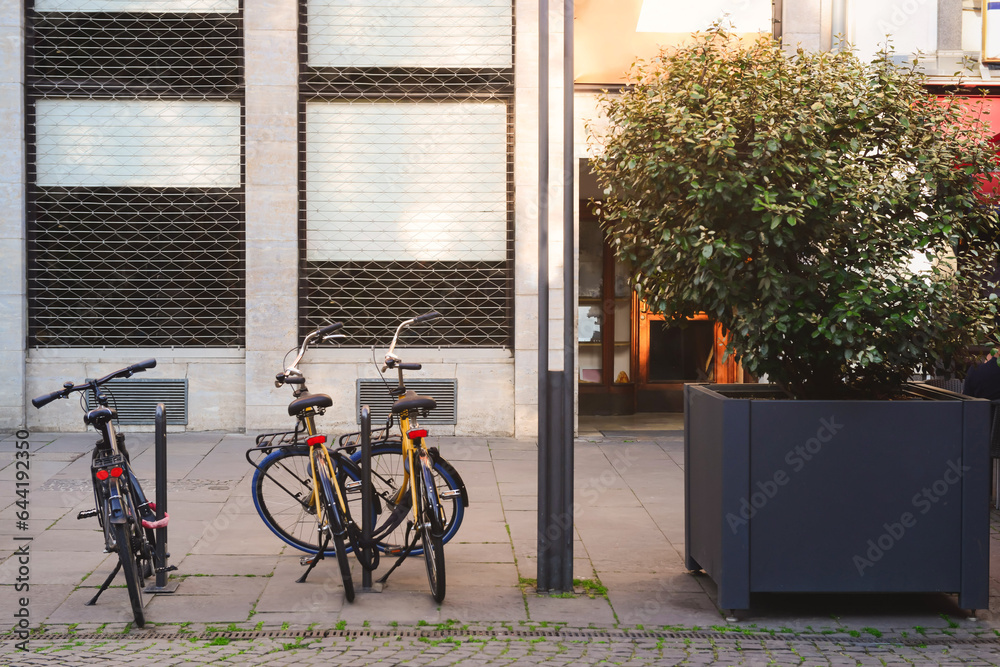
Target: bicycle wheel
[
  {"x": 387, "y": 478},
  {"x": 332, "y": 520},
  {"x": 124, "y": 534},
  {"x": 282, "y": 492},
  {"x": 430, "y": 535}
]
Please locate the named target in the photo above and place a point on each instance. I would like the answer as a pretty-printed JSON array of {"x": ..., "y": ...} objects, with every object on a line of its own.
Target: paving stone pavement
[
  {"x": 237, "y": 601},
  {"x": 459, "y": 649}
]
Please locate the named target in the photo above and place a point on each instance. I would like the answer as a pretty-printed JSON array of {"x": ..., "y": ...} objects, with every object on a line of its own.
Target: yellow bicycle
[
  {"x": 319, "y": 490},
  {"x": 418, "y": 487}
]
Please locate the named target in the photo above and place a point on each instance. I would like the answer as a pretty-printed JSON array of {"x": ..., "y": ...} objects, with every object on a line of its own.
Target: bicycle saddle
[
  {"x": 412, "y": 401},
  {"x": 309, "y": 401}
]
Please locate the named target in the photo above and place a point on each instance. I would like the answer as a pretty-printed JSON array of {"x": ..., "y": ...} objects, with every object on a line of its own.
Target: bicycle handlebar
[
  {"x": 292, "y": 375},
  {"x": 426, "y": 316},
  {"x": 329, "y": 329},
  {"x": 142, "y": 365},
  {"x": 391, "y": 360},
  {"x": 47, "y": 398},
  {"x": 69, "y": 387}
]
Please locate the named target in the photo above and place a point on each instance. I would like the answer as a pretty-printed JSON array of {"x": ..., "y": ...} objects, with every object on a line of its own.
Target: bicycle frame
[
  {"x": 414, "y": 451},
  {"x": 108, "y": 492}
]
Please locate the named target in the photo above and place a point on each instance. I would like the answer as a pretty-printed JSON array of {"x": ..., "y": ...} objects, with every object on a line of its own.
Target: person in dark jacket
[{"x": 983, "y": 380}]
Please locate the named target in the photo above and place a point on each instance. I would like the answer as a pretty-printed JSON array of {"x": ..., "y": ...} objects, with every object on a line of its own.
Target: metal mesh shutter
[
  {"x": 135, "y": 399},
  {"x": 374, "y": 394},
  {"x": 413, "y": 95},
  {"x": 136, "y": 214}
]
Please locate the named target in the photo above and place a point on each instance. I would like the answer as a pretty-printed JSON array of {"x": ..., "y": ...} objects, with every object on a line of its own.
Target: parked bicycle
[
  {"x": 418, "y": 491},
  {"x": 281, "y": 482},
  {"x": 121, "y": 508},
  {"x": 300, "y": 485}
]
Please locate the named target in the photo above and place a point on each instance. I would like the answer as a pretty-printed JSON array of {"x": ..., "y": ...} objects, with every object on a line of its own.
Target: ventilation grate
[
  {"x": 373, "y": 393},
  {"x": 135, "y": 399}
]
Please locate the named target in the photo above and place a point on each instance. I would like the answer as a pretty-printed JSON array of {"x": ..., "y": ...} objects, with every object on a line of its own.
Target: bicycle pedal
[
  {"x": 87, "y": 514},
  {"x": 394, "y": 550},
  {"x": 307, "y": 560}
]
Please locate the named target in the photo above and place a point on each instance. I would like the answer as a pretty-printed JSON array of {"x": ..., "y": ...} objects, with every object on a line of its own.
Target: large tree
[{"x": 828, "y": 212}]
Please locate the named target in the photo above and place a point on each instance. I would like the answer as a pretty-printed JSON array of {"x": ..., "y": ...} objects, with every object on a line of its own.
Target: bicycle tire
[
  {"x": 430, "y": 536},
  {"x": 282, "y": 485},
  {"x": 130, "y": 567},
  {"x": 334, "y": 526},
  {"x": 282, "y": 489},
  {"x": 387, "y": 475}
]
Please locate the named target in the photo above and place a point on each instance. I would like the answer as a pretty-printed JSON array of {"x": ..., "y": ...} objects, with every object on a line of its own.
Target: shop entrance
[{"x": 631, "y": 359}]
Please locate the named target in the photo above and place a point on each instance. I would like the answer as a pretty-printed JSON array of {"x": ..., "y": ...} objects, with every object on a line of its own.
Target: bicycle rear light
[
  {"x": 101, "y": 475},
  {"x": 416, "y": 433},
  {"x": 316, "y": 440},
  {"x": 117, "y": 472}
]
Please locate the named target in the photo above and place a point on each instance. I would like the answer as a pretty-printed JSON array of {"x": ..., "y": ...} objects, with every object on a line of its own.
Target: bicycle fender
[
  {"x": 116, "y": 510},
  {"x": 454, "y": 475}
]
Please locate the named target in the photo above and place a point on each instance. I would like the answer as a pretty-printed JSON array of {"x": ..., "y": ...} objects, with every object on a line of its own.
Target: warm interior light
[
  {"x": 682, "y": 16},
  {"x": 316, "y": 440}
]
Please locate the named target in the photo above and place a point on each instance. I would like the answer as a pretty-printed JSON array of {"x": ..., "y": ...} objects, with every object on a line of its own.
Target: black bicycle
[{"x": 121, "y": 508}]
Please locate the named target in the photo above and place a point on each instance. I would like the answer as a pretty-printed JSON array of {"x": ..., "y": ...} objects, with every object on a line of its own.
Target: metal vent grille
[
  {"x": 373, "y": 393},
  {"x": 135, "y": 399},
  {"x": 407, "y": 171}
]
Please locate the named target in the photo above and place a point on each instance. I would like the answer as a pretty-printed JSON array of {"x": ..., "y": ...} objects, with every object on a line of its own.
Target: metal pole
[
  {"x": 543, "y": 291},
  {"x": 569, "y": 305},
  {"x": 366, "y": 494},
  {"x": 160, "y": 552}
]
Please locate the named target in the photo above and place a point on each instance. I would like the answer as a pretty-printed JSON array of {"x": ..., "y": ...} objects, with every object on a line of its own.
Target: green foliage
[{"x": 786, "y": 196}]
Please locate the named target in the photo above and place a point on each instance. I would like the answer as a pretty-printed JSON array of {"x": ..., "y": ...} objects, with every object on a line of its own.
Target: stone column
[
  {"x": 13, "y": 293},
  {"x": 272, "y": 256}
]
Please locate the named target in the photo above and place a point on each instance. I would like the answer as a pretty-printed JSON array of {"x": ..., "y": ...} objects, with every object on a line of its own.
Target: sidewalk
[{"x": 237, "y": 579}]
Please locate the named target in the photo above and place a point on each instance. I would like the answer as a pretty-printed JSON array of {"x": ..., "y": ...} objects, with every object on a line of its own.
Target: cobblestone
[{"x": 494, "y": 650}]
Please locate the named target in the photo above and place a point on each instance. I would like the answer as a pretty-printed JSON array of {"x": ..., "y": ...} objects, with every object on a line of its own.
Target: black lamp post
[{"x": 555, "y": 388}]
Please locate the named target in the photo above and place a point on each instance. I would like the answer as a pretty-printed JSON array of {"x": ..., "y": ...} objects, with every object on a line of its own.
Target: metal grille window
[
  {"x": 407, "y": 176},
  {"x": 135, "y": 193}
]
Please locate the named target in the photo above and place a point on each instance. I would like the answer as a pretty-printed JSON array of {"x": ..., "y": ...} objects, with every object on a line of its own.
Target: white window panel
[
  {"x": 911, "y": 27},
  {"x": 154, "y": 143},
  {"x": 165, "y": 6},
  {"x": 406, "y": 181},
  {"x": 410, "y": 33}
]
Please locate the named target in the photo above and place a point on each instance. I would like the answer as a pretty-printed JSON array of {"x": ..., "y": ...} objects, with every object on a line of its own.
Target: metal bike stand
[
  {"x": 366, "y": 497},
  {"x": 160, "y": 554}
]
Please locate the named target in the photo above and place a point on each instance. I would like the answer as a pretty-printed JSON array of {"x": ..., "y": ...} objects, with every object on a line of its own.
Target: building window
[
  {"x": 407, "y": 176},
  {"x": 135, "y": 174}
]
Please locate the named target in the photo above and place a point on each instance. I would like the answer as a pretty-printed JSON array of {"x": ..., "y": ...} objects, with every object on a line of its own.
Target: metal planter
[{"x": 787, "y": 496}]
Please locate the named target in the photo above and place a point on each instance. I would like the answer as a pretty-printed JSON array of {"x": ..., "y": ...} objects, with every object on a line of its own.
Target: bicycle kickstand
[
  {"x": 104, "y": 586},
  {"x": 312, "y": 560}
]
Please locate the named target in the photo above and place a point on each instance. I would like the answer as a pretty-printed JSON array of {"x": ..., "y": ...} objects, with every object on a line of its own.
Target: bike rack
[
  {"x": 160, "y": 554},
  {"x": 366, "y": 493}
]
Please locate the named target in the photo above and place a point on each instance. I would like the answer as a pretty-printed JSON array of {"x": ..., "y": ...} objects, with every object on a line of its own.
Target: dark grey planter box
[{"x": 786, "y": 496}]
